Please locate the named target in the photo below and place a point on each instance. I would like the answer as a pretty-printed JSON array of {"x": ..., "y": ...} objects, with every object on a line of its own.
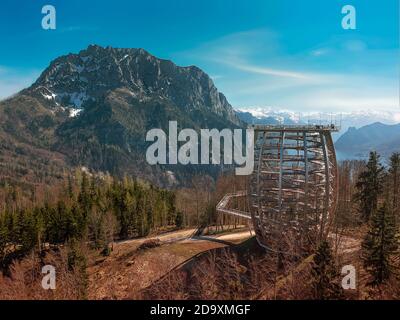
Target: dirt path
[
  {"x": 165, "y": 237},
  {"x": 127, "y": 269}
]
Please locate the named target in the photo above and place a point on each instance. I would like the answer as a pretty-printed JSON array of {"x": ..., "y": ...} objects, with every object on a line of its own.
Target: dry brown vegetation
[
  {"x": 134, "y": 265},
  {"x": 25, "y": 279},
  {"x": 237, "y": 272},
  {"x": 184, "y": 269}
]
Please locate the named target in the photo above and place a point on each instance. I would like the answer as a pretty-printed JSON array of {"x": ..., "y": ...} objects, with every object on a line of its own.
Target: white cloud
[
  {"x": 270, "y": 71},
  {"x": 339, "y": 75},
  {"x": 320, "y": 52}
]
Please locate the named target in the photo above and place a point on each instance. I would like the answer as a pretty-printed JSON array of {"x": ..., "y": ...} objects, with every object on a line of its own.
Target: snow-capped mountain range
[{"x": 356, "y": 119}]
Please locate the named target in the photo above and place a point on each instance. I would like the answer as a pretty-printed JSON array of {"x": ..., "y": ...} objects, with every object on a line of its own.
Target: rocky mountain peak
[{"x": 73, "y": 80}]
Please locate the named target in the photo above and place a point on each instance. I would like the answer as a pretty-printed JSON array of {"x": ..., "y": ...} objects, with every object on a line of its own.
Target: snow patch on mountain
[
  {"x": 124, "y": 57},
  {"x": 49, "y": 96},
  {"x": 74, "y": 112}
]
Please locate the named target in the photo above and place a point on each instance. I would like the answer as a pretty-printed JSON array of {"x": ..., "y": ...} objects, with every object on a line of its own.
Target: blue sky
[{"x": 290, "y": 54}]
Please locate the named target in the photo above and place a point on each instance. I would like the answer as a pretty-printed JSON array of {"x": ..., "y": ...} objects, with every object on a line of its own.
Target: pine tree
[
  {"x": 77, "y": 222},
  {"x": 369, "y": 186},
  {"x": 70, "y": 188},
  {"x": 3, "y": 240},
  {"x": 394, "y": 173},
  {"x": 84, "y": 196},
  {"x": 380, "y": 245},
  {"x": 29, "y": 232},
  {"x": 77, "y": 262},
  {"x": 324, "y": 274},
  {"x": 179, "y": 219}
]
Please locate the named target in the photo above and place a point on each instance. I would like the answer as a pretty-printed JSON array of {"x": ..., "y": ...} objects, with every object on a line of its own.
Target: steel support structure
[{"x": 293, "y": 189}]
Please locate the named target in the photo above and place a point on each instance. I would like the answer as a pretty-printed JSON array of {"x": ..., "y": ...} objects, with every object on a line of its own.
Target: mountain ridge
[
  {"x": 94, "y": 108},
  {"x": 74, "y": 79},
  {"x": 377, "y": 136}
]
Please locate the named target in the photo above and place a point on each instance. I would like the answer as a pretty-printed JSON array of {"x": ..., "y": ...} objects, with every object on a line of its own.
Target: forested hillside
[{"x": 89, "y": 208}]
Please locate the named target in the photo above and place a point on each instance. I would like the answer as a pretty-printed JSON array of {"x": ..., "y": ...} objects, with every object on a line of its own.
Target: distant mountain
[
  {"x": 94, "y": 108},
  {"x": 275, "y": 118},
  {"x": 357, "y": 119},
  {"x": 361, "y": 131},
  {"x": 357, "y": 143}
]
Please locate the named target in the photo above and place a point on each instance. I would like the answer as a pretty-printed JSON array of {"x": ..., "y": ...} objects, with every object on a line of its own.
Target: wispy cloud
[
  {"x": 246, "y": 51},
  {"x": 269, "y": 71},
  {"x": 320, "y": 52},
  {"x": 76, "y": 29},
  {"x": 340, "y": 74}
]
